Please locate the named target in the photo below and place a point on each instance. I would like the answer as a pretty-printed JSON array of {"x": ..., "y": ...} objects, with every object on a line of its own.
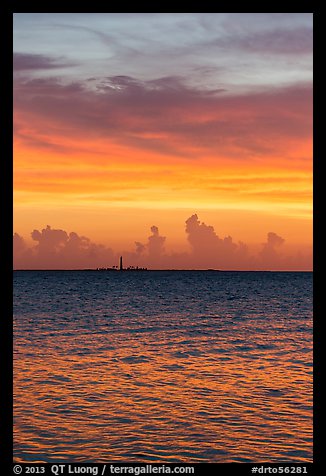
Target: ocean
[{"x": 162, "y": 366}]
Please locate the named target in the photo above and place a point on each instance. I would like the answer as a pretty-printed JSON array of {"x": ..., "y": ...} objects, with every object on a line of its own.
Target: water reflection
[{"x": 163, "y": 368}]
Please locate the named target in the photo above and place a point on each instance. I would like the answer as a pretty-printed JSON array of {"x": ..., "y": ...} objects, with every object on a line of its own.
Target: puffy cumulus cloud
[
  {"x": 270, "y": 256},
  {"x": 19, "y": 244},
  {"x": 273, "y": 240},
  {"x": 155, "y": 243},
  {"x": 200, "y": 234},
  {"x": 211, "y": 251},
  {"x": 140, "y": 248},
  {"x": 50, "y": 241},
  {"x": 22, "y": 254},
  {"x": 150, "y": 254},
  {"x": 57, "y": 249}
]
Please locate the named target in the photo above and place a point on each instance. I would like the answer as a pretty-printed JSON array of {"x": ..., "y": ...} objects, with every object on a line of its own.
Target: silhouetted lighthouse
[{"x": 121, "y": 266}]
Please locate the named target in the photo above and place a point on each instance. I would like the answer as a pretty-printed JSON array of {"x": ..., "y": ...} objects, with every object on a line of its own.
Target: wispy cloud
[
  {"x": 235, "y": 50},
  {"x": 289, "y": 41}
]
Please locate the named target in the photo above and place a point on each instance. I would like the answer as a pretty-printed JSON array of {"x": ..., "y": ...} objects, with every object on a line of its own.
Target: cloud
[
  {"x": 236, "y": 51},
  {"x": 58, "y": 249},
  {"x": 140, "y": 248},
  {"x": 31, "y": 62},
  {"x": 200, "y": 235},
  {"x": 211, "y": 250},
  {"x": 152, "y": 253},
  {"x": 163, "y": 115},
  {"x": 269, "y": 255},
  {"x": 155, "y": 243},
  {"x": 19, "y": 244},
  {"x": 289, "y": 41},
  {"x": 273, "y": 240}
]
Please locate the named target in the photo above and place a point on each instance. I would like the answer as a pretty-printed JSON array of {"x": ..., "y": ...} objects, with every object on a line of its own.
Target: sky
[{"x": 179, "y": 140}]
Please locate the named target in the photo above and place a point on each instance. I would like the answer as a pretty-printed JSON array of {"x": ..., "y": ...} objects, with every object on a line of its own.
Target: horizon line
[{"x": 175, "y": 269}]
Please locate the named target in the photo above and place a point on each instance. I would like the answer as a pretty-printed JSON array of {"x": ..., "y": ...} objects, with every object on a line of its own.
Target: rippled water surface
[{"x": 162, "y": 366}]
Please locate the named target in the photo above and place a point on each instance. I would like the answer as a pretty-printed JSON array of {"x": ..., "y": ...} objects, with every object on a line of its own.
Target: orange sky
[{"x": 109, "y": 157}]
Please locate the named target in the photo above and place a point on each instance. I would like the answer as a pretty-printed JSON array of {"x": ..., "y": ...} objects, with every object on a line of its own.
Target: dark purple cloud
[
  {"x": 165, "y": 115},
  {"x": 31, "y": 62}
]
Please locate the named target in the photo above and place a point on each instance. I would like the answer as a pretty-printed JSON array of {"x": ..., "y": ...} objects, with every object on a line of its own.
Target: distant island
[
  {"x": 121, "y": 268},
  {"x": 116, "y": 268}
]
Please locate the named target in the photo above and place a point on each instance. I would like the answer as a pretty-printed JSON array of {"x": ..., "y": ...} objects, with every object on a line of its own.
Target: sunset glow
[
  {"x": 121, "y": 133},
  {"x": 162, "y": 283}
]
